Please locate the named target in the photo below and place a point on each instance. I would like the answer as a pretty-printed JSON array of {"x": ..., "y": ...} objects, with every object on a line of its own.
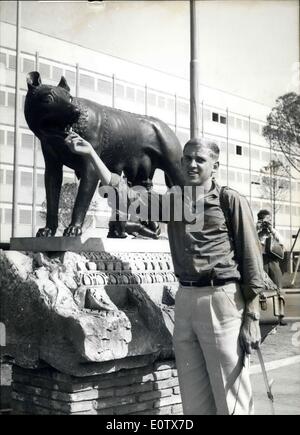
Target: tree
[
  {"x": 66, "y": 203},
  {"x": 283, "y": 127},
  {"x": 273, "y": 184}
]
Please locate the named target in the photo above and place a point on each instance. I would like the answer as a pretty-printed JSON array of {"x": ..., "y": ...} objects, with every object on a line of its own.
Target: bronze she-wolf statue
[{"x": 133, "y": 144}]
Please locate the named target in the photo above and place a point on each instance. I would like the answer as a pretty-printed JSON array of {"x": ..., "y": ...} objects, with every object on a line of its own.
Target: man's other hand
[{"x": 250, "y": 335}]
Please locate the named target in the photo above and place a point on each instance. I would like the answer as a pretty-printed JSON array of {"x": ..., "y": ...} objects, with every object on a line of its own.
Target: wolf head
[{"x": 49, "y": 110}]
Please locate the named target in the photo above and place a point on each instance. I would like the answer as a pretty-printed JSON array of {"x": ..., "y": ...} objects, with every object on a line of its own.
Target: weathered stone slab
[{"x": 87, "y": 313}]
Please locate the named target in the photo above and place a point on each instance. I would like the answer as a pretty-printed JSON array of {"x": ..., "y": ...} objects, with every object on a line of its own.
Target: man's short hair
[
  {"x": 262, "y": 213},
  {"x": 205, "y": 143}
]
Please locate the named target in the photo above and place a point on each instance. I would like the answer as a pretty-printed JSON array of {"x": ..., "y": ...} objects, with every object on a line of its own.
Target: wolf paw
[
  {"x": 72, "y": 231},
  {"x": 45, "y": 232}
]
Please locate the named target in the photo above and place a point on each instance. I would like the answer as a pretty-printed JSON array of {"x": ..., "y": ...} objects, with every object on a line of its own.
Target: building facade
[{"x": 233, "y": 122}]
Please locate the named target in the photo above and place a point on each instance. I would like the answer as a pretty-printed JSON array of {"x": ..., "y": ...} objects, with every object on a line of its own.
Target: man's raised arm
[{"x": 80, "y": 146}]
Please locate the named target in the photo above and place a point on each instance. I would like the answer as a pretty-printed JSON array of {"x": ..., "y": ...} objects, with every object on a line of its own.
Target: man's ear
[
  {"x": 33, "y": 80},
  {"x": 63, "y": 84},
  {"x": 216, "y": 166}
]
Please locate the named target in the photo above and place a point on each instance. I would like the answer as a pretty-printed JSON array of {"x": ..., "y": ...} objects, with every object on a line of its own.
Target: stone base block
[{"x": 149, "y": 390}]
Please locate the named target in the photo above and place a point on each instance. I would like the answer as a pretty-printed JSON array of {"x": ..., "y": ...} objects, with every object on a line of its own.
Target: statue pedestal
[
  {"x": 152, "y": 389},
  {"x": 90, "y": 312},
  {"x": 90, "y": 244}
]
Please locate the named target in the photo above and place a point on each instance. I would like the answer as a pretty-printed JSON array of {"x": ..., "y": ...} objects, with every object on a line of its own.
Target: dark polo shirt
[{"x": 211, "y": 252}]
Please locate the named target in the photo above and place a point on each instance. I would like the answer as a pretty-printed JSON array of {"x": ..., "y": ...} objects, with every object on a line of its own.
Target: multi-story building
[{"x": 235, "y": 123}]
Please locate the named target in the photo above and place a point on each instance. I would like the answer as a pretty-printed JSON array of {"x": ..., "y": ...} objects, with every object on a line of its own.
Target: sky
[{"x": 246, "y": 47}]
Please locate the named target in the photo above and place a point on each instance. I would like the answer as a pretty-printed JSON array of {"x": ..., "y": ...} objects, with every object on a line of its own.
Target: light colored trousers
[{"x": 209, "y": 359}]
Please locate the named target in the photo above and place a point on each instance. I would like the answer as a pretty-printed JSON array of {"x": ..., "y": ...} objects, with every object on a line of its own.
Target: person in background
[{"x": 265, "y": 230}]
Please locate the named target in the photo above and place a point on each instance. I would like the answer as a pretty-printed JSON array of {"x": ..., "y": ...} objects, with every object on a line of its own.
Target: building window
[
  {"x": 25, "y": 217},
  {"x": 2, "y": 98},
  {"x": 256, "y": 205},
  {"x": 223, "y": 119},
  {"x": 104, "y": 87},
  {"x": 140, "y": 96},
  {"x": 183, "y": 107},
  {"x": 246, "y": 178},
  {"x": 119, "y": 91},
  {"x": 223, "y": 174},
  {"x": 161, "y": 102},
  {"x": 26, "y": 179},
  {"x": 11, "y": 61},
  {"x": 9, "y": 176},
  {"x": 1, "y": 215},
  {"x": 11, "y": 99},
  {"x": 27, "y": 140},
  {"x": 28, "y": 65},
  {"x": 206, "y": 114},
  {"x": 255, "y": 154},
  {"x": 10, "y": 138},
  {"x": 70, "y": 77},
  {"x": 44, "y": 70},
  {"x": 3, "y": 59},
  {"x": 152, "y": 99},
  {"x": 231, "y": 149},
  {"x": 87, "y": 81},
  {"x": 1, "y": 176},
  {"x": 170, "y": 104},
  {"x": 255, "y": 127},
  {"x": 265, "y": 156},
  {"x": 57, "y": 73},
  {"x": 2, "y": 137},
  {"x": 231, "y": 121},
  {"x": 215, "y": 117},
  {"x": 238, "y": 150},
  {"x": 40, "y": 180},
  {"x": 238, "y": 123},
  {"x": 130, "y": 94},
  {"x": 7, "y": 215},
  {"x": 245, "y": 124},
  {"x": 231, "y": 175}
]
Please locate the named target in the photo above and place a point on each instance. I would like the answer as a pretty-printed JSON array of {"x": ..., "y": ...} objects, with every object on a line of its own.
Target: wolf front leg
[
  {"x": 86, "y": 190},
  {"x": 53, "y": 182}
]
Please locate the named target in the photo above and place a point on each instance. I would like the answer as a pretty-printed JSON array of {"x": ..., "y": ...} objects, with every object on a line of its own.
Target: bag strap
[{"x": 225, "y": 209}]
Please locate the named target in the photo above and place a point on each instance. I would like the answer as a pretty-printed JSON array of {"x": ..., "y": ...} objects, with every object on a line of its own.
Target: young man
[{"x": 221, "y": 274}]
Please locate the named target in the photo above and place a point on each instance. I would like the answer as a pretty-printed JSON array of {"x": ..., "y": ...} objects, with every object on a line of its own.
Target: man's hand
[
  {"x": 250, "y": 335},
  {"x": 78, "y": 145}
]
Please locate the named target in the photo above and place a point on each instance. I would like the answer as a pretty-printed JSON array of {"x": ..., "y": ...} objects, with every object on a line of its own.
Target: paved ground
[
  {"x": 285, "y": 343},
  {"x": 287, "y": 279},
  {"x": 292, "y": 301},
  {"x": 286, "y": 391},
  {"x": 279, "y": 349}
]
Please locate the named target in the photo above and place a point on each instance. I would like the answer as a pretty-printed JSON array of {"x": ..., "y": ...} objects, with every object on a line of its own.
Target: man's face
[
  {"x": 197, "y": 165},
  {"x": 267, "y": 218}
]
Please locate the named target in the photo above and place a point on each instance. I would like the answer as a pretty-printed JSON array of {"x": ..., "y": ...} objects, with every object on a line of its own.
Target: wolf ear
[
  {"x": 33, "y": 79},
  {"x": 63, "y": 84}
]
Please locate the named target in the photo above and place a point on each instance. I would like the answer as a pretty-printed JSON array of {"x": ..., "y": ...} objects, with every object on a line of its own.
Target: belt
[{"x": 207, "y": 282}]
